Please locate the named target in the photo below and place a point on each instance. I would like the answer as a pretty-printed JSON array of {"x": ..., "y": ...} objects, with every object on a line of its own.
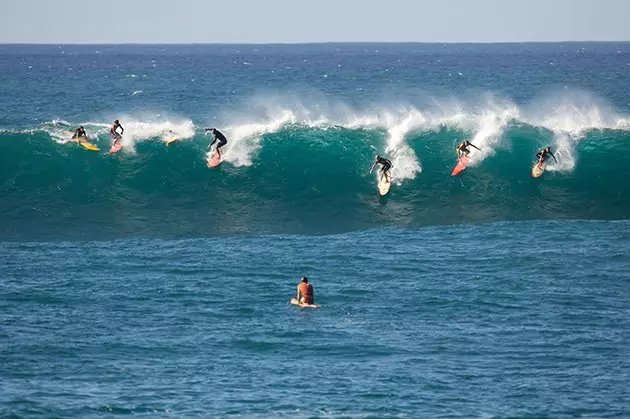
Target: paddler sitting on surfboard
[
  {"x": 80, "y": 134},
  {"x": 386, "y": 165},
  {"x": 305, "y": 294},
  {"x": 114, "y": 132},
  {"x": 218, "y": 136},
  {"x": 544, "y": 154},
  {"x": 462, "y": 149}
]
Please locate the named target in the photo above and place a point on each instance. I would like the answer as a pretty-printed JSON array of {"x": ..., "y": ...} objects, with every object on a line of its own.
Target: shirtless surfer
[
  {"x": 305, "y": 294},
  {"x": 114, "y": 132},
  {"x": 543, "y": 155},
  {"x": 462, "y": 149},
  {"x": 218, "y": 136},
  {"x": 385, "y": 166}
]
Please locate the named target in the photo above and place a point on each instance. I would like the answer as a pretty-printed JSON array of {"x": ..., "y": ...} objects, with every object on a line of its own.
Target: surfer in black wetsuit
[
  {"x": 114, "y": 131},
  {"x": 79, "y": 134},
  {"x": 385, "y": 166},
  {"x": 544, "y": 154},
  {"x": 462, "y": 149},
  {"x": 218, "y": 136}
]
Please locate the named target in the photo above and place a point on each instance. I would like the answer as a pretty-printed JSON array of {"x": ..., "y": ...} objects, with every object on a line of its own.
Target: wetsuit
[
  {"x": 79, "y": 133},
  {"x": 386, "y": 164},
  {"x": 218, "y": 136},
  {"x": 543, "y": 155},
  {"x": 463, "y": 148}
]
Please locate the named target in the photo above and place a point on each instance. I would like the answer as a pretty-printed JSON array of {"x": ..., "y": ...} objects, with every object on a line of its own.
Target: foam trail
[
  {"x": 136, "y": 131},
  {"x": 404, "y": 160},
  {"x": 564, "y": 150},
  {"x": 244, "y": 140},
  {"x": 490, "y": 131}
]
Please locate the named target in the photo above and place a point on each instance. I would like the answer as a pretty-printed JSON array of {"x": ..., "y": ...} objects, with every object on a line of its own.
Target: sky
[{"x": 296, "y": 21}]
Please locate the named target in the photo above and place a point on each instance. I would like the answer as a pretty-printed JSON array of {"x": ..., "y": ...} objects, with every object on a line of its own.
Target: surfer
[
  {"x": 114, "y": 131},
  {"x": 544, "y": 154},
  {"x": 305, "y": 294},
  {"x": 218, "y": 136},
  {"x": 79, "y": 134},
  {"x": 462, "y": 149},
  {"x": 385, "y": 166}
]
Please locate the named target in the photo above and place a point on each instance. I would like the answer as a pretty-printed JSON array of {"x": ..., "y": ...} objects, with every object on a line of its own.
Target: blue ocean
[{"x": 145, "y": 284}]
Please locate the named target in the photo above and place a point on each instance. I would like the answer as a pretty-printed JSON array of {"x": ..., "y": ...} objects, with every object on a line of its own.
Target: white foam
[
  {"x": 489, "y": 131},
  {"x": 570, "y": 114},
  {"x": 162, "y": 128},
  {"x": 563, "y": 148}
]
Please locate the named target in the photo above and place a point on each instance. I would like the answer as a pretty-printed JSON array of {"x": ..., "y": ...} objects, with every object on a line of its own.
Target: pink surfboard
[
  {"x": 215, "y": 160},
  {"x": 461, "y": 165},
  {"x": 116, "y": 148}
]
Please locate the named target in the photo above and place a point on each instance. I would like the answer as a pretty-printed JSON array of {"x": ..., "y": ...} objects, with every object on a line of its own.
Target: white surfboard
[
  {"x": 538, "y": 170},
  {"x": 384, "y": 184}
]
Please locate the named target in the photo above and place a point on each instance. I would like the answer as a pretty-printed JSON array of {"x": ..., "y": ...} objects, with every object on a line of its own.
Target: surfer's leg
[{"x": 221, "y": 144}]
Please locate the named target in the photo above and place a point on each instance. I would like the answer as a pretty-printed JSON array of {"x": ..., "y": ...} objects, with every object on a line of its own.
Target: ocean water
[{"x": 143, "y": 283}]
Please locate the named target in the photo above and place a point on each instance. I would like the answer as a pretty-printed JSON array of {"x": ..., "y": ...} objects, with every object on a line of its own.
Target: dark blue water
[{"x": 145, "y": 284}]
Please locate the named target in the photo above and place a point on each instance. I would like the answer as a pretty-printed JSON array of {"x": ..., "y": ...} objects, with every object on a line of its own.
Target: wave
[{"x": 291, "y": 168}]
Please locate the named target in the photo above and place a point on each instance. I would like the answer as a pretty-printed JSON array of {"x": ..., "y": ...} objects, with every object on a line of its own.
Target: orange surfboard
[{"x": 461, "y": 165}]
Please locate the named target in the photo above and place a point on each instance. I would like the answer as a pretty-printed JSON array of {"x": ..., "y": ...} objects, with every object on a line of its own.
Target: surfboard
[
  {"x": 116, "y": 148},
  {"x": 384, "y": 184},
  {"x": 88, "y": 145},
  {"x": 215, "y": 160},
  {"x": 538, "y": 170},
  {"x": 294, "y": 301},
  {"x": 462, "y": 163},
  {"x": 171, "y": 140}
]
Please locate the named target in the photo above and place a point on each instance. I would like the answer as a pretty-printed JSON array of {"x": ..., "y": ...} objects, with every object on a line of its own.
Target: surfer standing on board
[
  {"x": 544, "y": 154},
  {"x": 386, "y": 165},
  {"x": 218, "y": 136},
  {"x": 305, "y": 294},
  {"x": 114, "y": 131},
  {"x": 462, "y": 149},
  {"x": 79, "y": 134}
]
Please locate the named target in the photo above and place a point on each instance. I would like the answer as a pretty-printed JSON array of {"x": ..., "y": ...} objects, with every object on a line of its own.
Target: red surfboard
[{"x": 461, "y": 165}]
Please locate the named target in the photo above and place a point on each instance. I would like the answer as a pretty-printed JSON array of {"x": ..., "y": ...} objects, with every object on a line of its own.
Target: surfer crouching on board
[
  {"x": 79, "y": 134},
  {"x": 305, "y": 294},
  {"x": 544, "y": 154},
  {"x": 462, "y": 149},
  {"x": 385, "y": 166},
  {"x": 218, "y": 136},
  {"x": 114, "y": 131}
]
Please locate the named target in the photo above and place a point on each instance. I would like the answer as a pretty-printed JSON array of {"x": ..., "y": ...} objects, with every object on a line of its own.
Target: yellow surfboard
[
  {"x": 88, "y": 145},
  {"x": 171, "y": 140}
]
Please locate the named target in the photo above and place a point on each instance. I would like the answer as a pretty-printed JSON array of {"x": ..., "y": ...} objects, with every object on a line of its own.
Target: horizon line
[{"x": 320, "y": 43}]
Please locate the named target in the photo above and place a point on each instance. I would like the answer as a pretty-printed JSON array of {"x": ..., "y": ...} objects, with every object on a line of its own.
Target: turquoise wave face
[{"x": 300, "y": 180}]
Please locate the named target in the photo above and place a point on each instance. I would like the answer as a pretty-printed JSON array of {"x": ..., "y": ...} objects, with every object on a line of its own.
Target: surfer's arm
[
  {"x": 475, "y": 147},
  {"x": 213, "y": 141},
  {"x": 298, "y": 293},
  {"x": 372, "y": 168},
  {"x": 554, "y": 157}
]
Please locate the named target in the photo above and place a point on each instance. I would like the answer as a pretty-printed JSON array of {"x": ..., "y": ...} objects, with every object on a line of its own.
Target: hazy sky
[{"x": 265, "y": 21}]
